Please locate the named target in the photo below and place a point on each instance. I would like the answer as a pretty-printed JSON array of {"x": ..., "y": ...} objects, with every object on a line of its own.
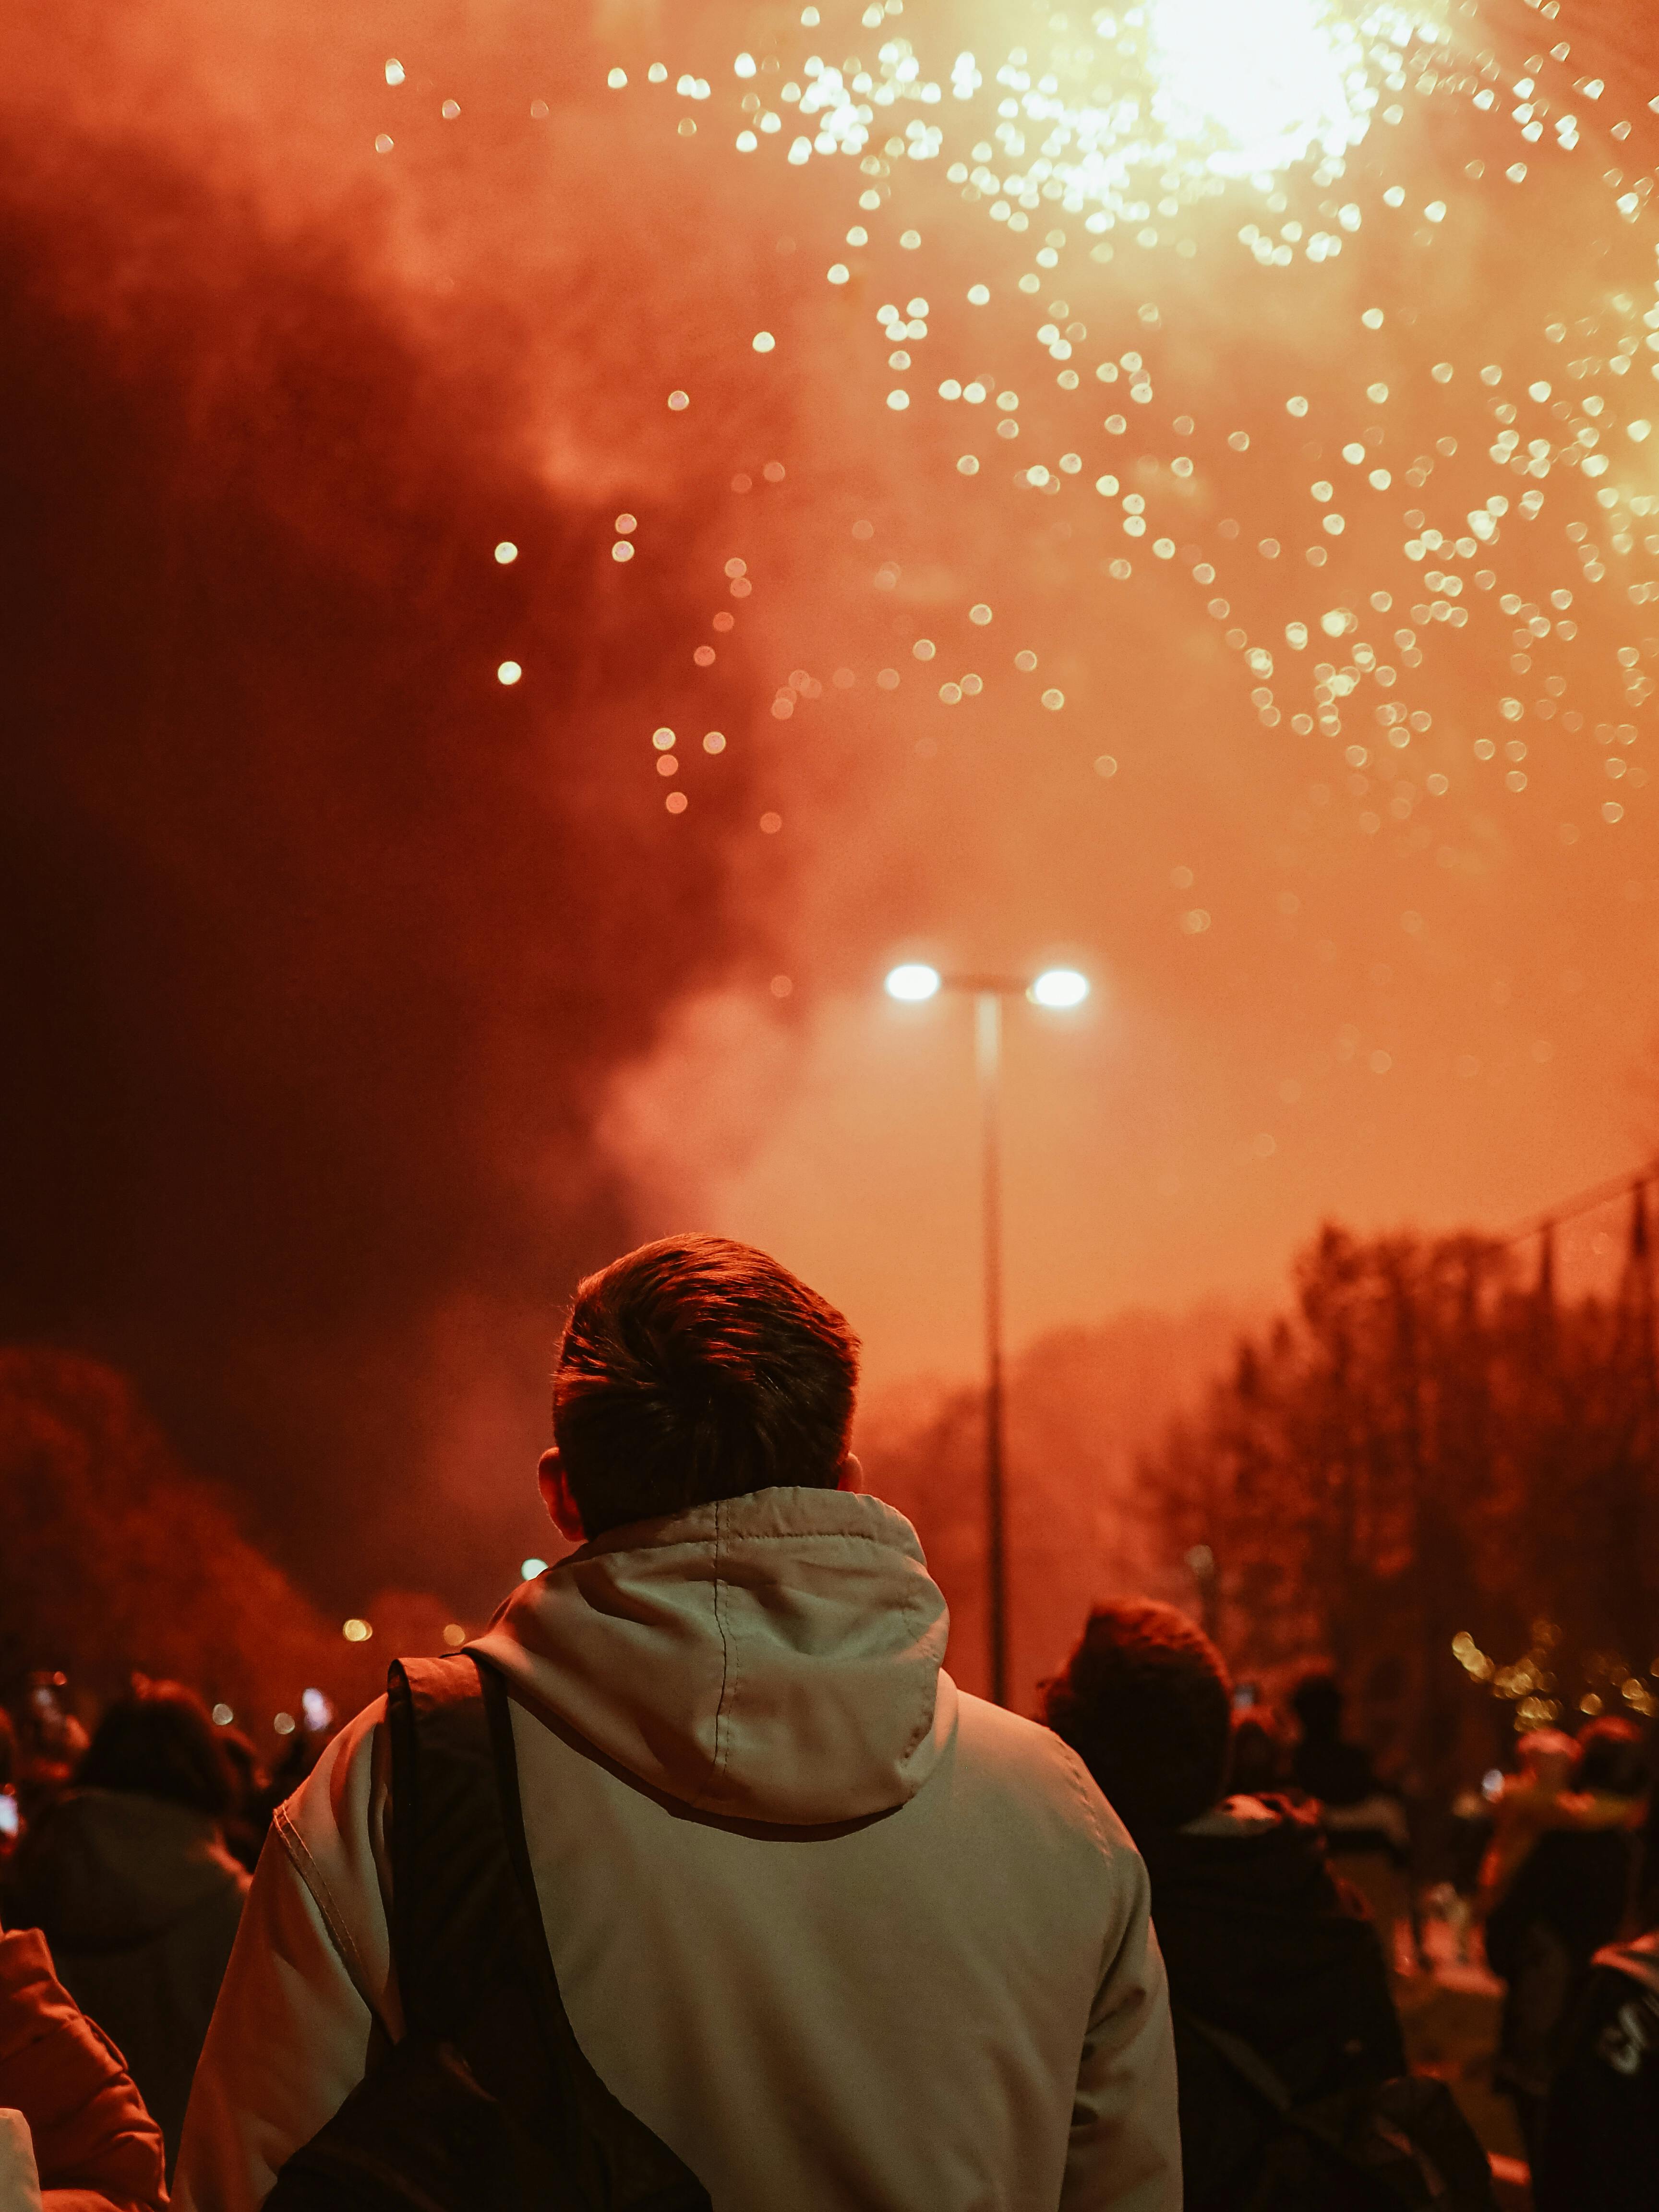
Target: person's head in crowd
[
  {"x": 1546, "y": 1757},
  {"x": 159, "y": 1742},
  {"x": 691, "y": 1370},
  {"x": 1146, "y": 1702},
  {"x": 1318, "y": 1702},
  {"x": 1612, "y": 1760},
  {"x": 248, "y": 1772},
  {"x": 1257, "y": 1765}
]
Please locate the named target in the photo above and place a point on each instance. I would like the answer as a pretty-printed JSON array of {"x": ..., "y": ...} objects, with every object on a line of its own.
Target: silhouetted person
[
  {"x": 1258, "y": 1763},
  {"x": 1258, "y": 1939},
  {"x": 1598, "y": 2137},
  {"x": 11, "y": 1818},
  {"x": 1563, "y": 1903},
  {"x": 248, "y": 1820},
  {"x": 1366, "y": 1832},
  {"x": 128, "y": 1877},
  {"x": 834, "y": 1932}
]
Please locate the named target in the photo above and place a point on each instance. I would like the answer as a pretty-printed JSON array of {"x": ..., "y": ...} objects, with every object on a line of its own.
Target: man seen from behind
[{"x": 839, "y": 1934}]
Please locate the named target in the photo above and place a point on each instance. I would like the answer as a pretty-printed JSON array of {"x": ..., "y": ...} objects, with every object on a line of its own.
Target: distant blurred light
[
  {"x": 317, "y": 1709},
  {"x": 1492, "y": 1783},
  {"x": 531, "y": 1568},
  {"x": 508, "y": 672},
  {"x": 284, "y": 1723},
  {"x": 223, "y": 1715},
  {"x": 1058, "y": 988},
  {"x": 454, "y": 1635},
  {"x": 507, "y": 552},
  {"x": 912, "y": 982},
  {"x": 356, "y": 1630},
  {"x": 394, "y": 72}
]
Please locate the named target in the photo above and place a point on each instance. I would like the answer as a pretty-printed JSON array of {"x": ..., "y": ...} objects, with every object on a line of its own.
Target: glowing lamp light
[
  {"x": 912, "y": 982},
  {"x": 1059, "y": 988},
  {"x": 318, "y": 1710},
  {"x": 356, "y": 1630},
  {"x": 531, "y": 1568},
  {"x": 222, "y": 1716}
]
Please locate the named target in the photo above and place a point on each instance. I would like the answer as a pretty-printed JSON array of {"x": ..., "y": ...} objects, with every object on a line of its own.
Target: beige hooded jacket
[{"x": 842, "y": 1936}]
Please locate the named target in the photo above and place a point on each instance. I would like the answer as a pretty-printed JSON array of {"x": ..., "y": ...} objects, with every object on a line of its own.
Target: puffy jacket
[
  {"x": 74, "y": 2113},
  {"x": 839, "y": 1935}
]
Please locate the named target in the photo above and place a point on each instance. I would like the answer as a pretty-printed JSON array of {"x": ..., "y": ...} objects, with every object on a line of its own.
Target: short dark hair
[
  {"x": 1146, "y": 1702},
  {"x": 1318, "y": 1702},
  {"x": 158, "y": 1742},
  {"x": 1613, "y": 1757},
  {"x": 696, "y": 1368}
]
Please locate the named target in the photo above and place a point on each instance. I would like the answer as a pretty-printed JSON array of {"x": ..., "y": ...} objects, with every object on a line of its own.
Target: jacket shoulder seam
[{"x": 334, "y": 1920}]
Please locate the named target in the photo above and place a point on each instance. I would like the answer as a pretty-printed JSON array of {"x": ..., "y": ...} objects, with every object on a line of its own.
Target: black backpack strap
[
  {"x": 473, "y": 1965},
  {"x": 1244, "y": 2059}
]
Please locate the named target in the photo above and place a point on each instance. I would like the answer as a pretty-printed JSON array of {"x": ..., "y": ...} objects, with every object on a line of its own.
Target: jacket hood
[
  {"x": 108, "y": 1869},
  {"x": 773, "y": 1657},
  {"x": 1639, "y": 1959},
  {"x": 1258, "y": 1938},
  {"x": 1259, "y": 1854}
]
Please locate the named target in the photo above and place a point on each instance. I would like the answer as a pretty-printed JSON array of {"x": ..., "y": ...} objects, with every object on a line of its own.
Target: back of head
[
  {"x": 697, "y": 1369},
  {"x": 1146, "y": 1702},
  {"x": 158, "y": 1742},
  {"x": 1547, "y": 1756},
  {"x": 1318, "y": 1702},
  {"x": 1612, "y": 1758}
]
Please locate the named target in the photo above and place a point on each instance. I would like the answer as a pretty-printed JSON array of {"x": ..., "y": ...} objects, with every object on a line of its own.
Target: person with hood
[
  {"x": 1259, "y": 1942},
  {"x": 836, "y": 1933},
  {"x": 1564, "y": 1899},
  {"x": 74, "y": 2133},
  {"x": 128, "y": 1878},
  {"x": 1600, "y": 2134}
]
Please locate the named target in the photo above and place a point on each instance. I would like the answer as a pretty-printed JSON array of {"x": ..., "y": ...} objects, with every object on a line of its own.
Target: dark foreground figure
[
  {"x": 1601, "y": 2129},
  {"x": 831, "y": 1933},
  {"x": 128, "y": 1878},
  {"x": 1283, "y": 2018}
]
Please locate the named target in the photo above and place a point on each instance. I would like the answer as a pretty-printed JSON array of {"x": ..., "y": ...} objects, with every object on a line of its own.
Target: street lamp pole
[
  {"x": 988, "y": 1037},
  {"x": 1058, "y": 989}
]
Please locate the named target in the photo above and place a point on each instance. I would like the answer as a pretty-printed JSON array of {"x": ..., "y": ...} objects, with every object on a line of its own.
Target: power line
[{"x": 1586, "y": 1201}]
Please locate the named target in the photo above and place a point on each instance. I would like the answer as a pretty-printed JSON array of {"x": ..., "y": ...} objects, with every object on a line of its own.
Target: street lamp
[{"x": 1059, "y": 990}]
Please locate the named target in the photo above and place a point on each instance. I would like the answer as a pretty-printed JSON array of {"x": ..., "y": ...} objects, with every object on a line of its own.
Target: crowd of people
[{"x": 694, "y": 1880}]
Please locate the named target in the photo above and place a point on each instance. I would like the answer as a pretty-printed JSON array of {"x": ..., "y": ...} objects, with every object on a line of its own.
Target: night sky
[{"x": 356, "y": 998}]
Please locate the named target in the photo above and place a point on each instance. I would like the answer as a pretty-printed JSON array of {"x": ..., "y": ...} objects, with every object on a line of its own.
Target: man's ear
[
  {"x": 850, "y": 1475},
  {"x": 554, "y": 1484}
]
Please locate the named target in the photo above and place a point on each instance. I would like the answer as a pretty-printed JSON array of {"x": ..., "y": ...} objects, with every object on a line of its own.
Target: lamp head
[
  {"x": 912, "y": 982},
  {"x": 1059, "y": 988}
]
